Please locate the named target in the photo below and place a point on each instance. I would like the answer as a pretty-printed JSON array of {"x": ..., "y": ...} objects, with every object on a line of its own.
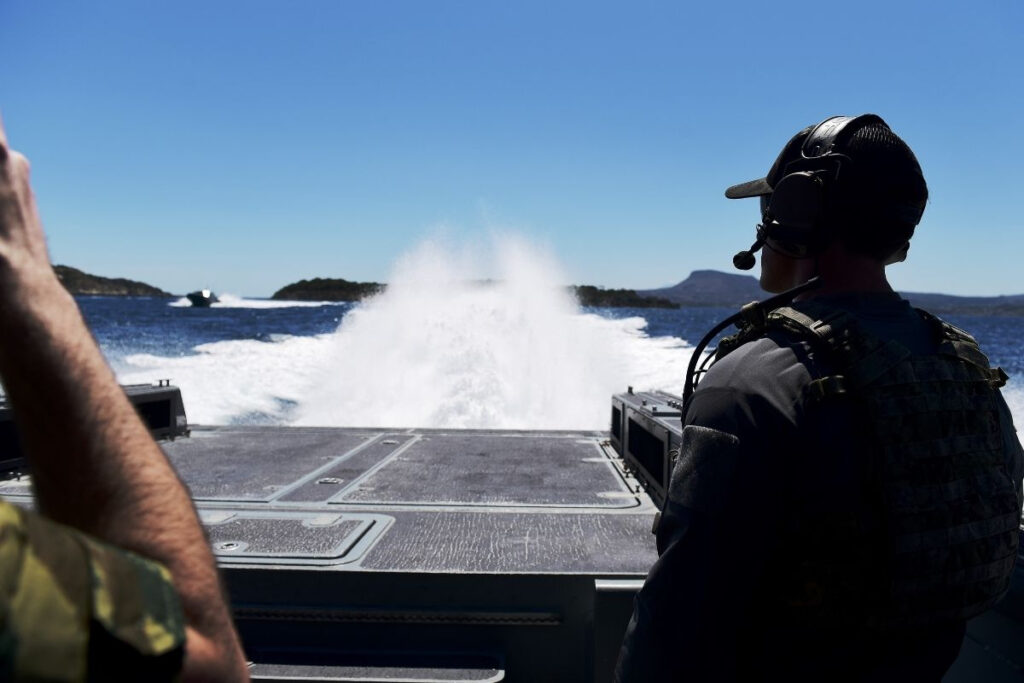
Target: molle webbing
[{"x": 950, "y": 512}]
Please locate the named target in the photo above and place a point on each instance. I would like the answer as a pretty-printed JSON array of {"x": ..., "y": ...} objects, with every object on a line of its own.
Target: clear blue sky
[{"x": 244, "y": 145}]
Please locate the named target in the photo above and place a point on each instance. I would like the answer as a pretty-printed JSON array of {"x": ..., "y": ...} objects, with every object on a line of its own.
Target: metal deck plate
[
  {"x": 493, "y": 470},
  {"x": 419, "y": 500},
  {"x": 255, "y": 463}
]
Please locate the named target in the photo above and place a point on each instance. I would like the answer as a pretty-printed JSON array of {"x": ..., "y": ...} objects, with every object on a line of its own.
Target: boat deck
[
  {"x": 433, "y": 555},
  {"x": 417, "y": 501}
]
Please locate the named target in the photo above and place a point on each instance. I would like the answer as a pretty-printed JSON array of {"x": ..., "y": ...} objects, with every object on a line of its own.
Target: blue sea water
[
  {"x": 257, "y": 361},
  {"x": 125, "y": 326},
  {"x": 130, "y": 325}
]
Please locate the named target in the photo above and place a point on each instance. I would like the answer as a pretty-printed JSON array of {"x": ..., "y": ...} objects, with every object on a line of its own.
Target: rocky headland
[
  {"x": 588, "y": 295},
  {"x": 85, "y": 284}
]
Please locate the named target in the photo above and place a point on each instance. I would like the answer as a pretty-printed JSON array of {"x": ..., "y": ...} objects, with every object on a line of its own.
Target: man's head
[{"x": 846, "y": 180}]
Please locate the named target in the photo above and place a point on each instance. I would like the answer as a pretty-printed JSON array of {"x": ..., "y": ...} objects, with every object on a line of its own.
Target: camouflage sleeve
[{"x": 75, "y": 609}]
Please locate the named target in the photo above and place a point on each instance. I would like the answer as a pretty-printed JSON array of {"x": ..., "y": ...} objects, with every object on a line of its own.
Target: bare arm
[{"x": 94, "y": 465}]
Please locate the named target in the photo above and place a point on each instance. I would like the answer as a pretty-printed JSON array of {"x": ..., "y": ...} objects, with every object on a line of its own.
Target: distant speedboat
[{"x": 202, "y": 298}]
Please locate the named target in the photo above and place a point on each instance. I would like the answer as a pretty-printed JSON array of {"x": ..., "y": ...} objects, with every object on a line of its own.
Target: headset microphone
[{"x": 744, "y": 260}]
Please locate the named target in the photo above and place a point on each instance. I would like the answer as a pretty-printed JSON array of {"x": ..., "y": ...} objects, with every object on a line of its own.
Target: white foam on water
[
  {"x": 440, "y": 348},
  {"x": 234, "y": 301},
  {"x": 1013, "y": 392},
  {"x": 235, "y": 381}
]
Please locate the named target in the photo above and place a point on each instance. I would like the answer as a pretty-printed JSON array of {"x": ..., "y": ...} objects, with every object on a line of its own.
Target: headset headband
[{"x": 824, "y": 137}]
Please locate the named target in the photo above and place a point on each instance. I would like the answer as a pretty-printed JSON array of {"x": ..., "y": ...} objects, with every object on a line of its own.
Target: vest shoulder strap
[{"x": 958, "y": 343}]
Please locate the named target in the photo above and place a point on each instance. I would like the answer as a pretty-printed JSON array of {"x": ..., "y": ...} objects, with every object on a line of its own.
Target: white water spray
[
  {"x": 237, "y": 381},
  {"x": 440, "y": 348}
]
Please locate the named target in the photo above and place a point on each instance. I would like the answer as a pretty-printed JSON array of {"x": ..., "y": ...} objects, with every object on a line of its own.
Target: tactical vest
[{"x": 943, "y": 535}]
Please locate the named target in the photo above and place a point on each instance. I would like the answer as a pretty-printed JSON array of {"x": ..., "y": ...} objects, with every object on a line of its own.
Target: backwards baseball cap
[{"x": 875, "y": 190}]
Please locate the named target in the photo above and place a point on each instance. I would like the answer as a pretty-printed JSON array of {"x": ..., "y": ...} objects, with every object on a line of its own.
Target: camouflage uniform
[{"x": 75, "y": 609}]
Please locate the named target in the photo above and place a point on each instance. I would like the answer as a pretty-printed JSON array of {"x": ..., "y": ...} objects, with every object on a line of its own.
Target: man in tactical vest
[{"x": 848, "y": 488}]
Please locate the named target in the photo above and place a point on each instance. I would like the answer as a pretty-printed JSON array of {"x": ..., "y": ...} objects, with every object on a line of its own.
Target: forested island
[
  {"x": 84, "y": 284},
  {"x": 338, "y": 289},
  {"x": 327, "y": 289},
  {"x": 588, "y": 295}
]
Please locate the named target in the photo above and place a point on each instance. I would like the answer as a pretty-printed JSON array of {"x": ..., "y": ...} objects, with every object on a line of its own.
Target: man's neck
[{"x": 843, "y": 272}]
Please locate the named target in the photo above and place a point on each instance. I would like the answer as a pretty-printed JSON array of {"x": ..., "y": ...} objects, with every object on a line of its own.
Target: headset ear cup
[{"x": 795, "y": 213}]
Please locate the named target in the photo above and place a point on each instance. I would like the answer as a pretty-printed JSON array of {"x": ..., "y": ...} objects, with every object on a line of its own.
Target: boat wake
[{"x": 460, "y": 339}]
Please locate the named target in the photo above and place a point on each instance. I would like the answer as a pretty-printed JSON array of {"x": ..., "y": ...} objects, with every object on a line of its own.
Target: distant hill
[
  {"x": 588, "y": 295},
  {"x": 337, "y": 289},
  {"x": 327, "y": 289},
  {"x": 710, "y": 288},
  {"x": 79, "y": 283},
  {"x": 701, "y": 288},
  {"x": 967, "y": 305},
  {"x": 714, "y": 288}
]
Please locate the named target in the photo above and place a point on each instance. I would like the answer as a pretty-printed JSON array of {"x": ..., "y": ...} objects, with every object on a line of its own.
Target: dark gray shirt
[{"x": 749, "y": 452}]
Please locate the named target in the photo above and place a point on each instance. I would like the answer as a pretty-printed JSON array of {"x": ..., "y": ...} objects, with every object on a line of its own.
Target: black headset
[
  {"x": 795, "y": 215},
  {"x": 801, "y": 194}
]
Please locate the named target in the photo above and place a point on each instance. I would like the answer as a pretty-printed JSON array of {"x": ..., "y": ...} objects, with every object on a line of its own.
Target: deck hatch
[{"x": 276, "y": 537}]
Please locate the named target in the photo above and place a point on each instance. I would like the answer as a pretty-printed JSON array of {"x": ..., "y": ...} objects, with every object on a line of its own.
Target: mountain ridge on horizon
[
  {"x": 709, "y": 287},
  {"x": 701, "y": 288}
]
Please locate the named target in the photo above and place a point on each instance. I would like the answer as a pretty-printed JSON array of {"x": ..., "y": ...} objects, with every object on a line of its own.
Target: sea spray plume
[{"x": 441, "y": 348}]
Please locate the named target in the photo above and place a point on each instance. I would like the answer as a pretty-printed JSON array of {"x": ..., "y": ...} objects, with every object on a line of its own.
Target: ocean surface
[
  {"x": 506, "y": 355},
  {"x": 479, "y": 334}
]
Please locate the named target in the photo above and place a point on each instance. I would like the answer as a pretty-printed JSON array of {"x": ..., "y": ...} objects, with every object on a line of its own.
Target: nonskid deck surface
[
  {"x": 372, "y": 554},
  {"x": 416, "y": 500},
  {"x": 359, "y": 554}
]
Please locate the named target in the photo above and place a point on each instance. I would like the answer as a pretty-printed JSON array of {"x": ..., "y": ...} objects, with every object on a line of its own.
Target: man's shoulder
[
  {"x": 763, "y": 358},
  {"x": 758, "y": 384},
  {"x": 816, "y": 327},
  {"x": 793, "y": 345}
]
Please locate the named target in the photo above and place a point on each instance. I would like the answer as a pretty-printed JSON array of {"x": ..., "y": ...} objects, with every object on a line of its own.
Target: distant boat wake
[{"x": 233, "y": 301}]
